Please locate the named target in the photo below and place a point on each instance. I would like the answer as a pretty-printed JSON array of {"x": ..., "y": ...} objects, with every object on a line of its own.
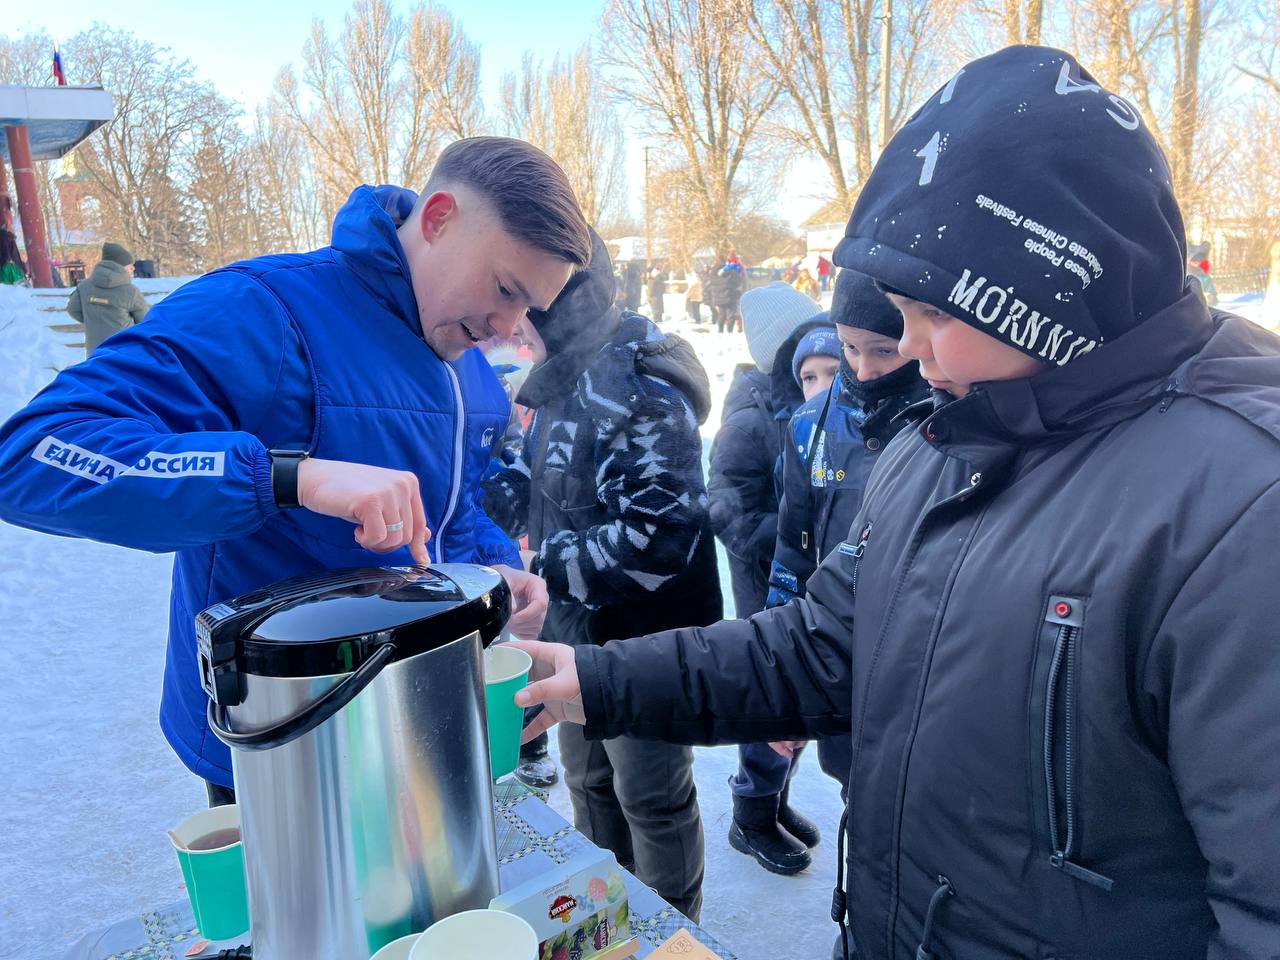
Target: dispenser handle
[{"x": 309, "y": 717}]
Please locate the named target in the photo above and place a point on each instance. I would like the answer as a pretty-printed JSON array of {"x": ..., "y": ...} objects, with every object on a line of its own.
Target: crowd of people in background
[{"x": 716, "y": 286}]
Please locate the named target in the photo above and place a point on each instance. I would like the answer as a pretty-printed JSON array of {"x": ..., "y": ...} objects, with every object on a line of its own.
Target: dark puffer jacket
[
  {"x": 1054, "y": 632},
  {"x": 609, "y": 484},
  {"x": 725, "y": 288},
  {"x": 834, "y": 441},
  {"x": 744, "y": 455}
]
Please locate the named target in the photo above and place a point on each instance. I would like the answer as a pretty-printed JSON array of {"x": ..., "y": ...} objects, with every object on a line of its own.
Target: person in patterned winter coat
[{"x": 610, "y": 491}]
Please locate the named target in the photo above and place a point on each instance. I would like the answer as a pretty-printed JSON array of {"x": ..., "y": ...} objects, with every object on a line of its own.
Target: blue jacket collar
[{"x": 366, "y": 240}]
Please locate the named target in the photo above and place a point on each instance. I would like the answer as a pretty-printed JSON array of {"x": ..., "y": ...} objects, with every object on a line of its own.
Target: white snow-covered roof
[{"x": 56, "y": 118}]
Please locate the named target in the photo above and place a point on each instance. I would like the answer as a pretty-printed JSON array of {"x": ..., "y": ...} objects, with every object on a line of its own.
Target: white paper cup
[
  {"x": 477, "y": 935},
  {"x": 397, "y": 949}
]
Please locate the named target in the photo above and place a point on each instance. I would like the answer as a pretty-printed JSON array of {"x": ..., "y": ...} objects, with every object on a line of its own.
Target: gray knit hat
[{"x": 770, "y": 314}]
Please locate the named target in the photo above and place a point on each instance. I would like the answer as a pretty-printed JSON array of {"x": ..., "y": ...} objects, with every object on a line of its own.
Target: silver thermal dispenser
[{"x": 353, "y": 702}]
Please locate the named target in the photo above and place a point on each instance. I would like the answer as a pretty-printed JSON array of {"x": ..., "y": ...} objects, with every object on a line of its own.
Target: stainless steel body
[{"x": 376, "y": 823}]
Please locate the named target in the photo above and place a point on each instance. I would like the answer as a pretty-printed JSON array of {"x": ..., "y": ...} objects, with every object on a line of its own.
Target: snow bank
[{"x": 93, "y": 785}]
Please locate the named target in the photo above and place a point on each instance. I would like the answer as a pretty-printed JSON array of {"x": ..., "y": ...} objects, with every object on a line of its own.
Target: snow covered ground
[
  {"x": 1252, "y": 306},
  {"x": 92, "y": 785}
]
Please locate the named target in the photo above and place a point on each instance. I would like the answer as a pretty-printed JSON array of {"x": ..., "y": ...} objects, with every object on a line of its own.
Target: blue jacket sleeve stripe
[{"x": 148, "y": 443}]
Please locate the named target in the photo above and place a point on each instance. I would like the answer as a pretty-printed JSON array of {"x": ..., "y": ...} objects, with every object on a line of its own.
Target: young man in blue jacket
[{"x": 301, "y": 412}]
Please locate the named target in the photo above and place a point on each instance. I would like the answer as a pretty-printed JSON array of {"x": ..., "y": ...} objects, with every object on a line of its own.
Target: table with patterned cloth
[{"x": 531, "y": 839}]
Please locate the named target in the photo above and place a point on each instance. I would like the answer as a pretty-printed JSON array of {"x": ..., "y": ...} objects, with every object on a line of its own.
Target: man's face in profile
[{"x": 471, "y": 277}]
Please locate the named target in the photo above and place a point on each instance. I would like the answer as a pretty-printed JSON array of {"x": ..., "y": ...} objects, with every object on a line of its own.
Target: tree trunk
[{"x": 1186, "y": 104}]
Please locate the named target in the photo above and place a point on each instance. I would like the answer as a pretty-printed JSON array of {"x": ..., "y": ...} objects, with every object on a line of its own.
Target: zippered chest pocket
[
  {"x": 851, "y": 555},
  {"x": 1054, "y": 738}
]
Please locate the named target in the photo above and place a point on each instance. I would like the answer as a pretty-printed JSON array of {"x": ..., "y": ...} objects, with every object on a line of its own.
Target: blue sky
[{"x": 239, "y": 45}]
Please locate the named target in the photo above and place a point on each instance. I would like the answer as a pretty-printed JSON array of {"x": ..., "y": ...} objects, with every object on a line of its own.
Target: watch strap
[{"x": 284, "y": 477}]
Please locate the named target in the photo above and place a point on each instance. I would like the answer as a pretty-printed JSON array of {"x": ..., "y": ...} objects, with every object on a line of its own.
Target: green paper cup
[
  {"x": 214, "y": 877},
  {"x": 506, "y": 670}
]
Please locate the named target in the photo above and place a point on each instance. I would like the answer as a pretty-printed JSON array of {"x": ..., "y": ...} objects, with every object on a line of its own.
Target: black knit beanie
[
  {"x": 1027, "y": 201},
  {"x": 116, "y": 253},
  {"x": 857, "y": 302},
  {"x": 575, "y": 316}
]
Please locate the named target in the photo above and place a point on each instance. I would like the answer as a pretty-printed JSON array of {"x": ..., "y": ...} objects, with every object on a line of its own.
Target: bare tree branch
[
  {"x": 691, "y": 68},
  {"x": 565, "y": 110}
]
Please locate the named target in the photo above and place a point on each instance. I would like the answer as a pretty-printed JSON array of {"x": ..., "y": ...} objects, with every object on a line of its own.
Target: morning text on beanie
[{"x": 1028, "y": 201}]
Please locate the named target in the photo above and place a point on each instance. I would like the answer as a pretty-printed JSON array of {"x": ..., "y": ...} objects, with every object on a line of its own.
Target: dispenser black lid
[{"x": 320, "y": 625}]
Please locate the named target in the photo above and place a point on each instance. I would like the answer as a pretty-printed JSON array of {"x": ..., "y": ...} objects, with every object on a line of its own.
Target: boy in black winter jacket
[
  {"x": 835, "y": 441},
  {"x": 836, "y": 437},
  {"x": 744, "y": 515},
  {"x": 1055, "y": 634},
  {"x": 764, "y": 825}
]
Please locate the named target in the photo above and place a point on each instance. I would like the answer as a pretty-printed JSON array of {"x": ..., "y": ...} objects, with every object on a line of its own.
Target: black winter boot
[
  {"x": 796, "y": 824},
  {"x": 536, "y": 768},
  {"x": 755, "y": 832}
]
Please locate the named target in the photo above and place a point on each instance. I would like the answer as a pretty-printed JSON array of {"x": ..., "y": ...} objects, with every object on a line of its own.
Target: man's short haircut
[{"x": 529, "y": 192}]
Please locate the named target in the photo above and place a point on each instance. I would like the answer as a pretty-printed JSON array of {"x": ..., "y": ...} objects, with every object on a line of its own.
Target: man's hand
[
  {"x": 787, "y": 748},
  {"x": 555, "y": 686},
  {"x": 385, "y": 505},
  {"x": 528, "y": 600}
]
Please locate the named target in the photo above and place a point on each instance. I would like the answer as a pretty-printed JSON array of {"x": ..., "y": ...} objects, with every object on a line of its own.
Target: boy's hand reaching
[{"x": 554, "y": 684}]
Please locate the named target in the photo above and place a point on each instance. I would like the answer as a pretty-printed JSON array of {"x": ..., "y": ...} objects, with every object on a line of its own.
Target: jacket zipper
[
  {"x": 455, "y": 483},
  {"x": 857, "y": 551},
  {"x": 1063, "y": 667}
]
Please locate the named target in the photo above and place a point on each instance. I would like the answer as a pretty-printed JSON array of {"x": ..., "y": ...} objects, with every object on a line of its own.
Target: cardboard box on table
[{"x": 579, "y": 910}]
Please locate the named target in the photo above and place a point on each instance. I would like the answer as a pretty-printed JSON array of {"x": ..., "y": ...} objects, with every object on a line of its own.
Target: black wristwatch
[{"x": 284, "y": 476}]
